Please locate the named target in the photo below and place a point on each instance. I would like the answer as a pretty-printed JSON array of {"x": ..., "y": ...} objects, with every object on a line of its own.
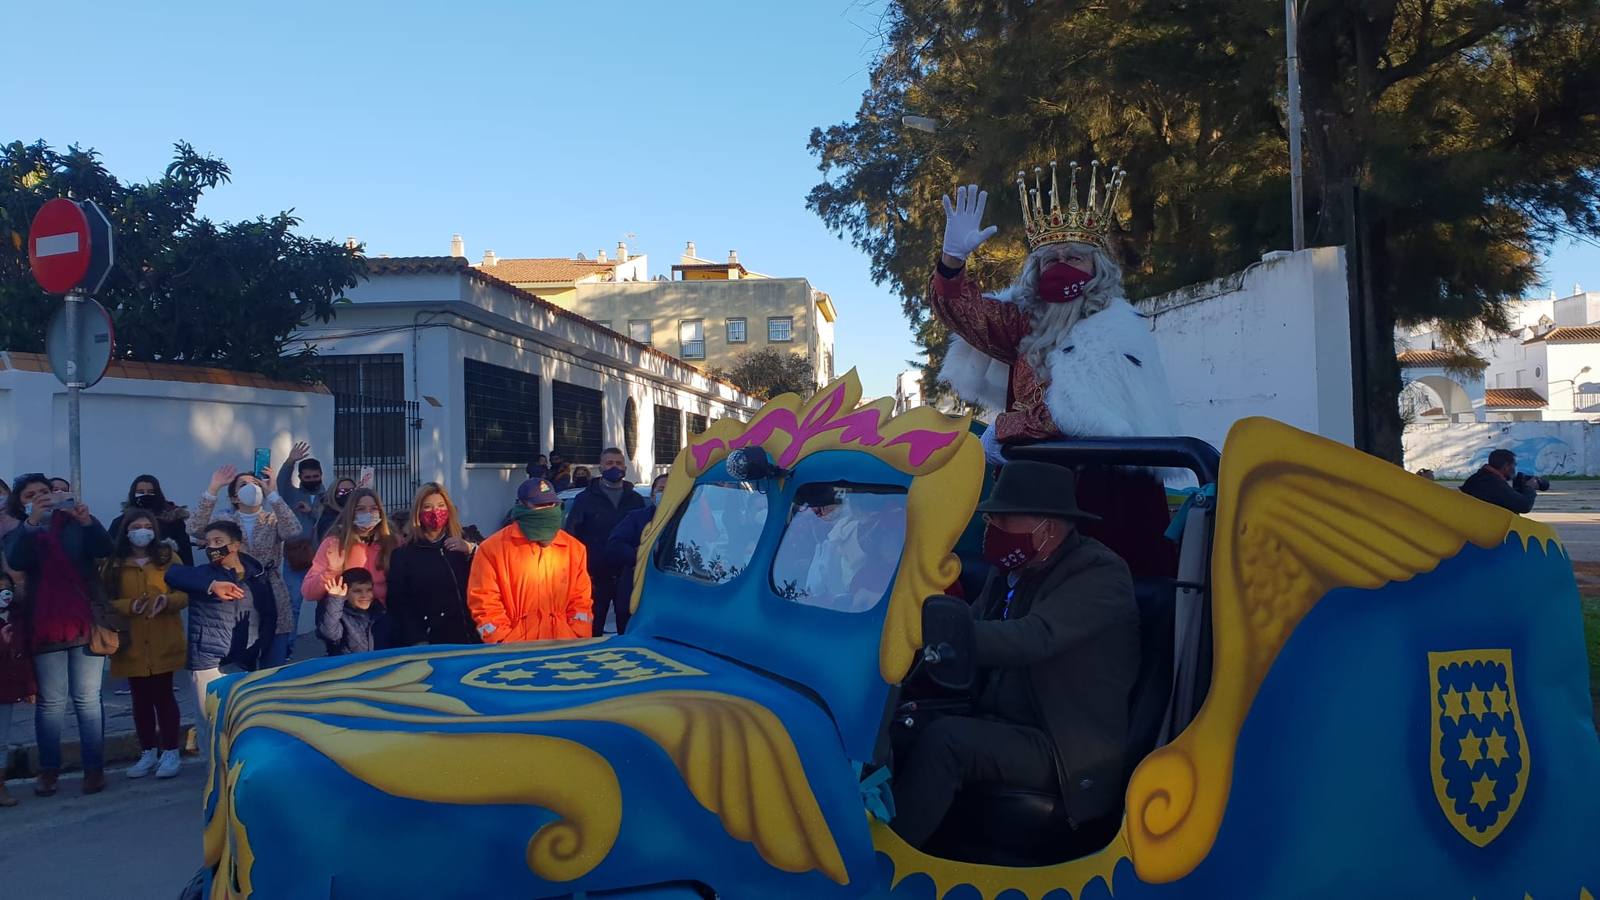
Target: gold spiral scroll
[{"x": 484, "y": 768}]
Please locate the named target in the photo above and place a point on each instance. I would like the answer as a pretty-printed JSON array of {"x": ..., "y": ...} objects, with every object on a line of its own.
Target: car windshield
[
  {"x": 716, "y": 534},
  {"x": 842, "y": 545}
]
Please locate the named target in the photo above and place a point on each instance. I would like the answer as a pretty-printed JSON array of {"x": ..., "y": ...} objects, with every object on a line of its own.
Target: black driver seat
[{"x": 1000, "y": 825}]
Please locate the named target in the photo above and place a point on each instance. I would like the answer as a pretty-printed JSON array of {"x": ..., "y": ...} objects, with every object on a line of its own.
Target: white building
[
  {"x": 1545, "y": 368},
  {"x": 443, "y": 372}
]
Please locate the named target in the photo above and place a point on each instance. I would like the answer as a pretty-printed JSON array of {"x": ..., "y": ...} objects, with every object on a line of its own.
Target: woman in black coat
[
  {"x": 145, "y": 495},
  {"x": 427, "y": 595}
]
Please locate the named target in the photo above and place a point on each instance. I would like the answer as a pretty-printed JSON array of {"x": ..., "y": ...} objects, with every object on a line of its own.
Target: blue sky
[{"x": 533, "y": 129}]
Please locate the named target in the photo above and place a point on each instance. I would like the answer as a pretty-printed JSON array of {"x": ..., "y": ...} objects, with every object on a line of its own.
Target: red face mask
[
  {"x": 434, "y": 519},
  {"x": 1062, "y": 283},
  {"x": 1008, "y": 550}
]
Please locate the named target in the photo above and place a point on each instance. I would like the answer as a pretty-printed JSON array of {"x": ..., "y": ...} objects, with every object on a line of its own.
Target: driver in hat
[{"x": 1057, "y": 641}]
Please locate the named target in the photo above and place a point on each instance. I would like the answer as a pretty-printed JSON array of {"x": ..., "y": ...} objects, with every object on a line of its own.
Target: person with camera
[
  {"x": 1500, "y": 483},
  {"x": 70, "y": 625}
]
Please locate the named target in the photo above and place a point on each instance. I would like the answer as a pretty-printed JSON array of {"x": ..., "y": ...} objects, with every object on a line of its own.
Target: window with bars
[
  {"x": 630, "y": 429},
  {"x": 698, "y": 424},
  {"x": 380, "y": 376},
  {"x": 736, "y": 331},
  {"x": 780, "y": 329},
  {"x": 692, "y": 339},
  {"x": 579, "y": 421},
  {"x": 502, "y": 413},
  {"x": 669, "y": 434}
]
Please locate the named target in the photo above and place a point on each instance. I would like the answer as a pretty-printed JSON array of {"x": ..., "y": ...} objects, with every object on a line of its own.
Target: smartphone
[
  {"x": 365, "y": 479},
  {"x": 263, "y": 460},
  {"x": 65, "y": 501}
]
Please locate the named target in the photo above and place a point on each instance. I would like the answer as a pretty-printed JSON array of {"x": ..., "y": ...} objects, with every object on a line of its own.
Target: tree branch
[{"x": 1428, "y": 55}]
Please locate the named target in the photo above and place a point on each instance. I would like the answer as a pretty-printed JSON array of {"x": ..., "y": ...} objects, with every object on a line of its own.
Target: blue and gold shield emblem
[
  {"x": 1479, "y": 753},
  {"x": 581, "y": 670}
]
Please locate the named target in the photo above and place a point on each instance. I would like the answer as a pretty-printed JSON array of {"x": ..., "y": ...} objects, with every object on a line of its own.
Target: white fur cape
[{"x": 1106, "y": 377}]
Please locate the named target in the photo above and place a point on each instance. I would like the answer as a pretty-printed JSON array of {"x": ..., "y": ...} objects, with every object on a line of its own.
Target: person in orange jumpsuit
[{"x": 530, "y": 579}]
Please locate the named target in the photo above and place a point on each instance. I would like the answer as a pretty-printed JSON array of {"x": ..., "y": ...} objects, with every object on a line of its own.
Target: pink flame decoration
[{"x": 859, "y": 427}]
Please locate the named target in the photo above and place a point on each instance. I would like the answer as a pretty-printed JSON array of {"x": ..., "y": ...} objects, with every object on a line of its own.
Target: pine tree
[{"x": 1468, "y": 126}]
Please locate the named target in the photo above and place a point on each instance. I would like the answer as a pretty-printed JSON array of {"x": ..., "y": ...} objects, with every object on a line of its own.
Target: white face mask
[
  {"x": 365, "y": 520},
  {"x": 141, "y": 537},
  {"x": 249, "y": 495},
  {"x": 5, "y": 598}
]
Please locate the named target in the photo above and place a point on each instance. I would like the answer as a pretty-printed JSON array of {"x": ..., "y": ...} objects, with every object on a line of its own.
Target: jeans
[
  {"x": 276, "y": 651},
  {"x": 74, "y": 674},
  {"x": 155, "y": 712},
  {"x": 202, "y": 725}
]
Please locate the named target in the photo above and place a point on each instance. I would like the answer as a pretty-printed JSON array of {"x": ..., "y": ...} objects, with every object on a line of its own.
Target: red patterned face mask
[
  {"x": 1062, "y": 283},
  {"x": 434, "y": 519}
]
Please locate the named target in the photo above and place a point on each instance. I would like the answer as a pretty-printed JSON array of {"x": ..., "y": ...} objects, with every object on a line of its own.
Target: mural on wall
[
  {"x": 1539, "y": 455},
  {"x": 1542, "y": 448}
]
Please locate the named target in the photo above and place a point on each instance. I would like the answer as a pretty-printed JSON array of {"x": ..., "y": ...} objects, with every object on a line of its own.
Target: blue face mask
[{"x": 611, "y": 475}]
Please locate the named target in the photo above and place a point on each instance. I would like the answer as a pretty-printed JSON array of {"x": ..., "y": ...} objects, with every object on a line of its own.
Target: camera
[{"x": 1540, "y": 484}]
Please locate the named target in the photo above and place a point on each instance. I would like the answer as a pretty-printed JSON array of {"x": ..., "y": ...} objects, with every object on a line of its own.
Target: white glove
[{"x": 963, "y": 221}]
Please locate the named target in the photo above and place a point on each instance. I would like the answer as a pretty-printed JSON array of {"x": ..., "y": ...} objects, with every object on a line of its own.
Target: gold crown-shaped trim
[{"x": 1088, "y": 223}]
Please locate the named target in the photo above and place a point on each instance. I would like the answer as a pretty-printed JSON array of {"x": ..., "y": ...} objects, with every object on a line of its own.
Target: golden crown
[{"x": 1088, "y": 223}]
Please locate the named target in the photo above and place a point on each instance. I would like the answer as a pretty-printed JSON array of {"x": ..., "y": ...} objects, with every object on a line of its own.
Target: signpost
[{"x": 69, "y": 250}]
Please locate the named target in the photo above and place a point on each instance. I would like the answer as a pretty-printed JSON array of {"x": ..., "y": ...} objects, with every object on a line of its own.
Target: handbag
[{"x": 104, "y": 641}]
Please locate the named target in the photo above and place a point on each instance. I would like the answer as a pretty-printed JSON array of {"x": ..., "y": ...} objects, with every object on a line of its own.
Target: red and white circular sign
[{"x": 58, "y": 246}]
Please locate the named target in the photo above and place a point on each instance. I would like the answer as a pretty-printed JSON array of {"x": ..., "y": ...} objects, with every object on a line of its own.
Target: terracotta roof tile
[
  {"x": 1421, "y": 359},
  {"x": 1568, "y": 334},
  {"x": 149, "y": 371},
  {"x": 1513, "y": 398},
  {"x": 541, "y": 270}
]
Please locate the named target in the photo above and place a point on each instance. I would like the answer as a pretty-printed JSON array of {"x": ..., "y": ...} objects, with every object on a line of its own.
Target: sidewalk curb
[{"x": 23, "y": 761}]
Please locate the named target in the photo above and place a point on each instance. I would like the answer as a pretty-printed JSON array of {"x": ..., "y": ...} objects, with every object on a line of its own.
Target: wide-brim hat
[{"x": 1026, "y": 487}]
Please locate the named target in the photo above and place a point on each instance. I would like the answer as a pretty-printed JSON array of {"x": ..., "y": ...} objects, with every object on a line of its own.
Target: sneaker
[
  {"x": 171, "y": 760},
  {"x": 145, "y": 765}
]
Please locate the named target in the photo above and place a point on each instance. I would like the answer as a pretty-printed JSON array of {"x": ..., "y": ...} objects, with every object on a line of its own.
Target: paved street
[
  {"x": 1573, "y": 507},
  {"x": 140, "y": 840}
]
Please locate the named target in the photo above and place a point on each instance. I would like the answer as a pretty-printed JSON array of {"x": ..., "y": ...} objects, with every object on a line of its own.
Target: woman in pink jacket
[{"x": 361, "y": 539}]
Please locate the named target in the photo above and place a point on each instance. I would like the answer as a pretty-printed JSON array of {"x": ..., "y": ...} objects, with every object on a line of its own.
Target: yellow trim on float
[
  {"x": 944, "y": 459},
  {"x": 1298, "y": 516}
]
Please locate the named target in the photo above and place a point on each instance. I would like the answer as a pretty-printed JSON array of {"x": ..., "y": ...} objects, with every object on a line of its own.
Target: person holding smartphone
[
  {"x": 62, "y": 601},
  {"x": 266, "y": 523}
]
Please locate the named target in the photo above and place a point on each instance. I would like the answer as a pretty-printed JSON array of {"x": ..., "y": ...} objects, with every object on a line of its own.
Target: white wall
[
  {"x": 178, "y": 431},
  {"x": 1273, "y": 340},
  {"x": 435, "y": 321},
  {"x": 1544, "y": 448}
]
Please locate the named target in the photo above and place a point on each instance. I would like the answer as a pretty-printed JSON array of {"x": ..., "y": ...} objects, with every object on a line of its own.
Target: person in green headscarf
[{"x": 530, "y": 579}]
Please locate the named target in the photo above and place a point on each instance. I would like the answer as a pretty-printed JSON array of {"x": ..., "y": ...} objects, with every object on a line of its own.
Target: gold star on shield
[
  {"x": 1475, "y": 704},
  {"x": 561, "y": 666},
  {"x": 1495, "y": 748},
  {"x": 576, "y": 676},
  {"x": 1483, "y": 791},
  {"x": 1471, "y": 749},
  {"x": 1452, "y": 705},
  {"x": 1497, "y": 701}
]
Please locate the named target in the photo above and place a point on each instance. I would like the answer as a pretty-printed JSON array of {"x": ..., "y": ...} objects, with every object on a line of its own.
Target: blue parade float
[{"x": 1360, "y": 685}]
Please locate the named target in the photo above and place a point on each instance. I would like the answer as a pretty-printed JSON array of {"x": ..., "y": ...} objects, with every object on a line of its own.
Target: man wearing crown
[{"x": 1061, "y": 352}]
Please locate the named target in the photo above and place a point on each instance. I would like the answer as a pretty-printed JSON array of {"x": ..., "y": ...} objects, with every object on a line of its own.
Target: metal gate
[{"x": 383, "y": 434}]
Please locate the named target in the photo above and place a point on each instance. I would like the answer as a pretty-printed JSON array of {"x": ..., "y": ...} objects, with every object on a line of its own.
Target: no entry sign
[{"x": 69, "y": 247}]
